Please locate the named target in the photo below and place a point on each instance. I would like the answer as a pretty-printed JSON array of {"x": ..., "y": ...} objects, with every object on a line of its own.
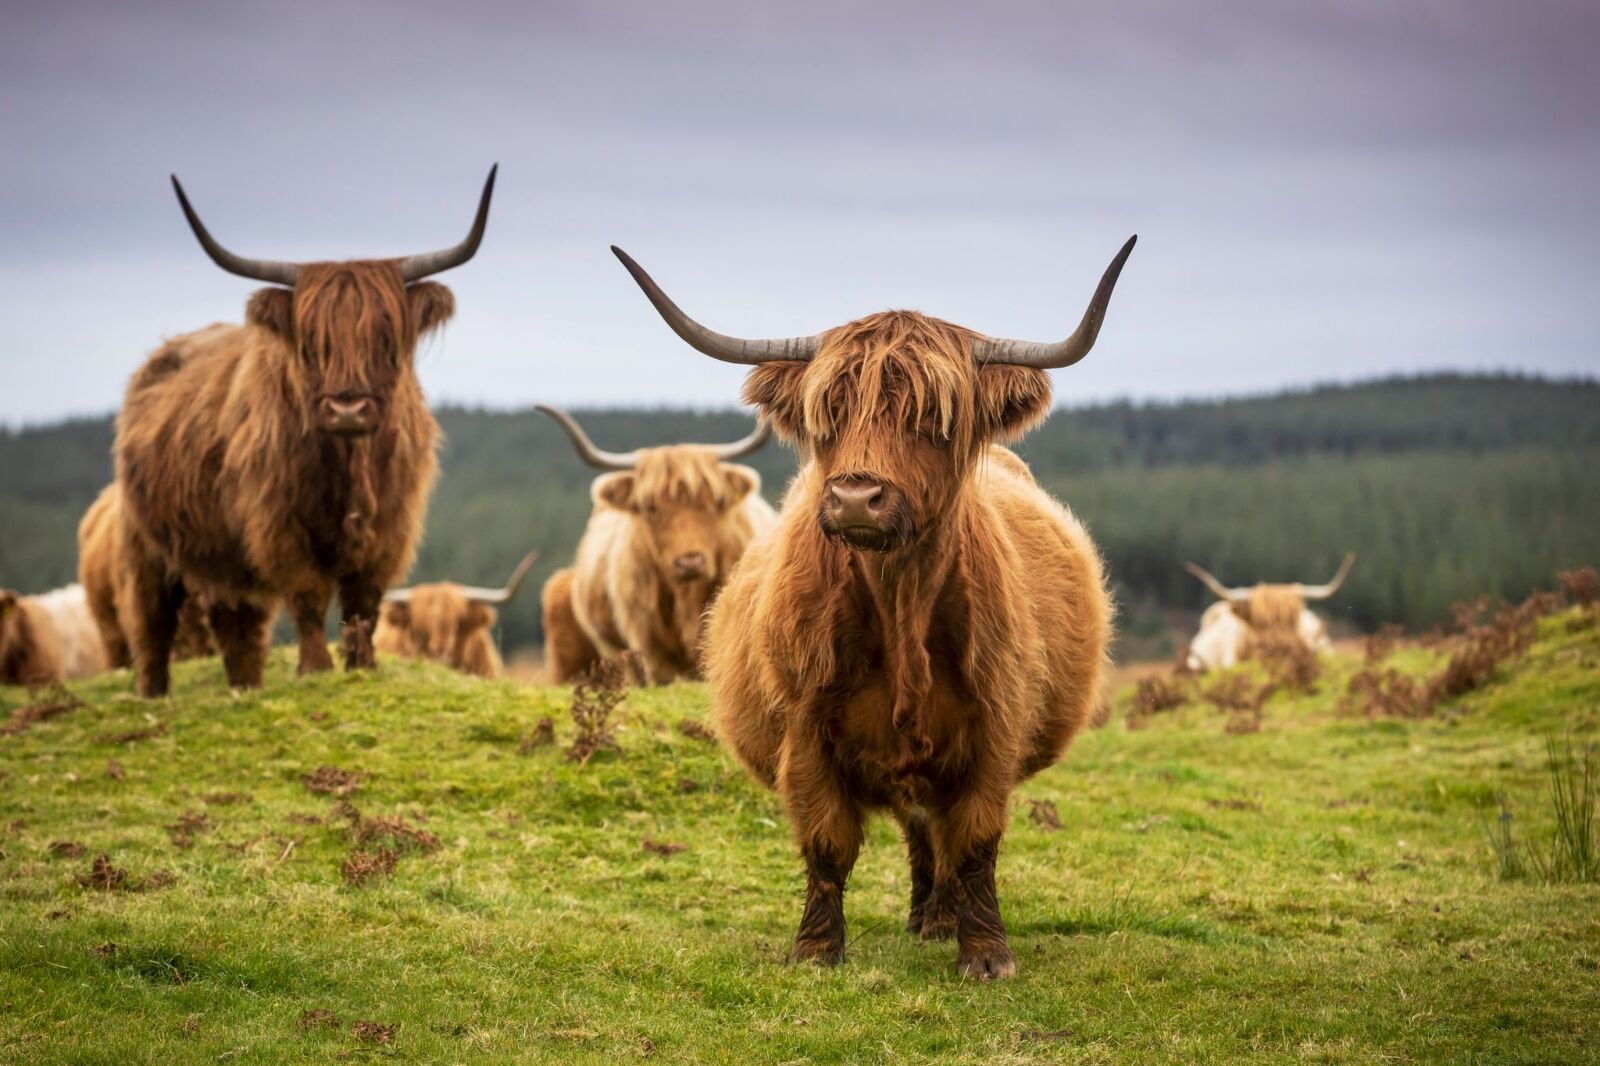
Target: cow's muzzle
[
  {"x": 865, "y": 512},
  {"x": 349, "y": 414},
  {"x": 690, "y": 566}
]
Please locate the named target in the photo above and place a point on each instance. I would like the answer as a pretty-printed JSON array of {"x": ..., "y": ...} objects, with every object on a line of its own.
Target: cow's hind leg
[
  {"x": 828, "y": 825},
  {"x": 310, "y": 610},
  {"x": 359, "y": 597},
  {"x": 932, "y": 917},
  {"x": 240, "y": 630},
  {"x": 966, "y": 844},
  {"x": 153, "y": 600}
]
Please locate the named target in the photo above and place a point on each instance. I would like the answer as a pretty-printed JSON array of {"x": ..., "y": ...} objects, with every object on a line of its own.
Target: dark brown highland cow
[
  {"x": 926, "y": 627},
  {"x": 284, "y": 459}
]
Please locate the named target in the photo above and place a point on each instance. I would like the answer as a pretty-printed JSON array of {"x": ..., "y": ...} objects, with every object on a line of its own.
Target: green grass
[{"x": 1323, "y": 890}]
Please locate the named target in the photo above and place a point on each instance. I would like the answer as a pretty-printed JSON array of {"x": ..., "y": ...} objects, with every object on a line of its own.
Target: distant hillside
[{"x": 1446, "y": 486}]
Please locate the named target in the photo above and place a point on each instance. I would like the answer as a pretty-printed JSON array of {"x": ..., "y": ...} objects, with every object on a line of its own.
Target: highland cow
[
  {"x": 926, "y": 627},
  {"x": 668, "y": 525},
  {"x": 1245, "y": 619},
  {"x": 568, "y": 653},
  {"x": 282, "y": 460},
  {"x": 448, "y": 623},
  {"x": 48, "y": 637}
]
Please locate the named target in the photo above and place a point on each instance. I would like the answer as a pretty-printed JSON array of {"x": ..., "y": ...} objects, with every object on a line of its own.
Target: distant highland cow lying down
[
  {"x": 48, "y": 637},
  {"x": 448, "y": 623},
  {"x": 1245, "y": 618}
]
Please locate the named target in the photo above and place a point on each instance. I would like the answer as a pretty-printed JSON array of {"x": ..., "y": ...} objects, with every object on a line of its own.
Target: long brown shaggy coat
[
  {"x": 627, "y": 590},
  {"x": 105, "y": 580},
  {"x": 48, "y": 637},
  {"x": 930, "y": 679},
  {"x": 440, "y": 623},
  {"x": 233, "y": 490}
]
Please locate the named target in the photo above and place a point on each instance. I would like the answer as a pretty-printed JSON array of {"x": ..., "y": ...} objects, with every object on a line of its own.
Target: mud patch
[
  {"x": 48, "y": 701},
  {"x": 189, "y": 823},
  {"x": 318, "y": 1018},
  {"x": 103, "y": 876},
  {"x": 359, "y": 866},
  {"x": 114, "y": 770},
  {"x": 1043, "y": 813},
  {"x": 662, "y": 847},
  {"x": 225, "y": 799},
  {"x": 66, "y": 849},
  {"x": 687, "y": 785},
  {"x": 374, "y": 1032},
  {"x": 697, "y": 730},
  {"x": 332, "y": 781}
]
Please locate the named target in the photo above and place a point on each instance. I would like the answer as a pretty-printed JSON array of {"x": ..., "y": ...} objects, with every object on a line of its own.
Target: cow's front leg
[
  {"x": 966, "y": 844},
  {"x": 310, "y": 610},
  {"x": 359, "y": 597},
  {"x": 827, "y": 824}
]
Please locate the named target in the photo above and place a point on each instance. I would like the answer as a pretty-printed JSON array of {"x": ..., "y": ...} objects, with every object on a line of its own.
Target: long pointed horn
[
  {"x": 498, "y": 597},
  {"x": 1322, "y": 592},
  {"x": 417, "y": 267},
  {"x": 1062, "y": 353},
  {"x": 1223, "y": 592},
  {"x": 740, "y": 448},
  {"x": 718, "y": 345},
  {"x": 279, "y": 273},
  {"x": 595, "y": 457}
]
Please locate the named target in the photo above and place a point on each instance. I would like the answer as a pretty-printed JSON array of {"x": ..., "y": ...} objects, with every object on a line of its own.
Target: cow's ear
[
  {"x": 614, "y": 490},
  {"x": 432, "y": 305},
  {"x": 8, "y": 600},
  {"x": 397, "y": 614},
  {"x": 741, "y": 481},
  {"x": 1241, "y": 608},
  {"x": 776, "y": 388},
  {"x": 1011, "y": 400},
  {"x": 272, "y": 309},
  {"x": 479, "y": 616}
]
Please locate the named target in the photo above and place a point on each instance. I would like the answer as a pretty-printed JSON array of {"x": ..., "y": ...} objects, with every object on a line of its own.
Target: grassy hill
[{"x": 1320, "y": 889}]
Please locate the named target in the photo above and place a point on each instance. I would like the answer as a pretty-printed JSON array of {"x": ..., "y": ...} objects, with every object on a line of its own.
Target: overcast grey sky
[{"x": 1372, "y": 188}]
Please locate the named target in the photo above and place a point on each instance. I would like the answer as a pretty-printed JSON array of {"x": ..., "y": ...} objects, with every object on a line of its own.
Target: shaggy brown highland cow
[
  {"x": 103, "y": 576},
  {"x": 48, "y": 637},
  {"x": 448, "y": 623},
  {"x": 1231, "y": 629},
  {"x": 284, "y": 459},
  {"x": 668, "y": 526},
  {"x": 926, "y": 627}
]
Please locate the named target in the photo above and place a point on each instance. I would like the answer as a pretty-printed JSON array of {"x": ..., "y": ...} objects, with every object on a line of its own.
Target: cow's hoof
[
  {"x": 991, "y": 962},
  {"x": 823, "y": 952},
  {"x": 313, "y": 666}
]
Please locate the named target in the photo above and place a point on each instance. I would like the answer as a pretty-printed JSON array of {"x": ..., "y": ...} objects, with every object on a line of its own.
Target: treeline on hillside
[{"x": 1445, "y": 486}]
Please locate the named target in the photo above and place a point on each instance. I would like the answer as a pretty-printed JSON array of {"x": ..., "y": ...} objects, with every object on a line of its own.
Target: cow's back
[{"x": 77, "y": 640}]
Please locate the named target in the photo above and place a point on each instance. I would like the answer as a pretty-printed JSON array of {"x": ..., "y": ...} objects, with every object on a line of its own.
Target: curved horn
[
  {"x": 497, "y": 597},
  {"x": 1322, "y": 592},
  {"x": 1222, "y": 591},
  {"x": 279, "y": 273},
  {"x": 1062, "y": 353},
  {"x": 595, "y": 457},
  {"x": 417, "y": 267},
  {"x": 740, "y": 448},
  {"x": 718, "y": 345}
]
